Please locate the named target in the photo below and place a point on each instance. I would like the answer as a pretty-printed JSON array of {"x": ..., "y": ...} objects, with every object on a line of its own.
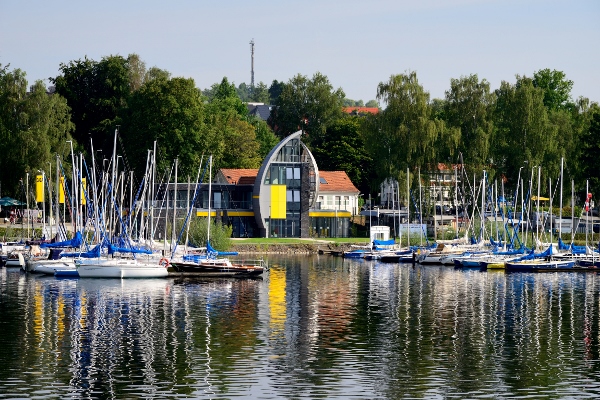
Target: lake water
[{"x": 315, "y": 327}]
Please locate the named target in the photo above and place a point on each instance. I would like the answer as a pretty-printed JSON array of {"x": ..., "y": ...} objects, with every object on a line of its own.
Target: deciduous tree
[{"x": 309, "y": 105}]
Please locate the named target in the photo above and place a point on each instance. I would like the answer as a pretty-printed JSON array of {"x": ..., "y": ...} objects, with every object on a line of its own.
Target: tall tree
[
  {"x": 275, "y": 91},
  {"x": 171, "y": 112},
  {"x": 307, "y": 104},
  {"x": 556, "y": 87},
  {"x": 469, "y": 106},
  {"x": 260, "y": 93},
  {"x": 95, "y": 92},
  {"x": 522, "y": 137},
  {"x": 264, "y": 136},
  {"x": 404, "y": 134},
  {"x": 343, "y": 149},
  {"x": 34, "y": 127},
  {"x": 590, "y": 162}
]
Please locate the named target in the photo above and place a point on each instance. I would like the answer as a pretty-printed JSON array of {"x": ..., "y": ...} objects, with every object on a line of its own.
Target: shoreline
[{"x": 292, "y": 248}]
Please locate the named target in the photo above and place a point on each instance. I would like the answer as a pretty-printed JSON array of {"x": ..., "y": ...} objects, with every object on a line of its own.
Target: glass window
[{"x": 296, "y": 173}]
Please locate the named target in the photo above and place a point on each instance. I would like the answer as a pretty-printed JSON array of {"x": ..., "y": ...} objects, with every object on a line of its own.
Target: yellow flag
[
  {"x": 61, "y": 191},
  {"x": 83, "y": 190},
  {"x": 39, "y": 188}
]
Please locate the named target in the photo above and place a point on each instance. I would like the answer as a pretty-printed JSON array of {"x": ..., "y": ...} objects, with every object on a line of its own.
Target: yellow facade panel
[{"x": 278, "y": 202}]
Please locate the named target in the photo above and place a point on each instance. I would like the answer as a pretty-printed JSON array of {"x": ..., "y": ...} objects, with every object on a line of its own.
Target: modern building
[{"x": 286, "y": 197}]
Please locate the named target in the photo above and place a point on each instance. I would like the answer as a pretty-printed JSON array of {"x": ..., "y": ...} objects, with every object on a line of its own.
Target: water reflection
[{"x": 313, "y": 327}]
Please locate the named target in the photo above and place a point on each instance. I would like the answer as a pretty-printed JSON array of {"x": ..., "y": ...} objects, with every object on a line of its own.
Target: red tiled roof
[
  {"x": 337, "y": 181},
  {"x": 237, "y": 176},
  {"x": 247, "y": 180},
  {"x": 361, "y": 110}
]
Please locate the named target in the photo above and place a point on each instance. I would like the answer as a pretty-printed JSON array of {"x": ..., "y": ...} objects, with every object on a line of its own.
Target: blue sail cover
[
  {"x": 93, "y": 253},
  {"x": 76, "y": 241},
  {"x": 114, "y": 249},
  {"x": 211, "y": 250},
  {"x": 384, "y": 242},
  {"x": 532, "y": 255},
  {"x": 574, "y": 249}
]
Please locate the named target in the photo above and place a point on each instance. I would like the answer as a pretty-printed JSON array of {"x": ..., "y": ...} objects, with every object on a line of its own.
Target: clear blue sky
[{"x": 356, "y": 44}]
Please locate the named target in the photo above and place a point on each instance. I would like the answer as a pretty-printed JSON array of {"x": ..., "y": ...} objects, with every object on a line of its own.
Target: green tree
[
  {"x": 589, "y": 148},
  {"x": 33, "y": 128},
  {"x": 226, "y": 118},
  {"x": 343, "y": 149},
  {"x": 469, "y": 106},
  {"x": 353, "y": 103},
  {"x": 275, "y": 91},
  {"x": 264, "y": 136},
  {"x": 557, "y": 89},
  {"x": 522, "y": 132},
  {"x": 225, "y": 97},
  {"x": 95, "y": 92},
  {"x": 307, "y": 104},
  {"x": 260, "y": 94},
  {"x": 171, "y": 112},
  {"x": 372, "y": 103},
  {"x": 404, "y": 134}
]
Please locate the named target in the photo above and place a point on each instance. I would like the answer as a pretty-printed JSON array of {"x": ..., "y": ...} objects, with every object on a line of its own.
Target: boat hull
[
  {"x": 119, "y": 268},
  {"x": 540, "y": 266}
]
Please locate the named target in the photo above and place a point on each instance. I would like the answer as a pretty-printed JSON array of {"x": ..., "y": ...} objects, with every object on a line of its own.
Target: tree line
[{"x": 532, "y": 121}]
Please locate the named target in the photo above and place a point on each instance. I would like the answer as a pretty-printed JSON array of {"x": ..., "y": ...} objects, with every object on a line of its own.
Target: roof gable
[
  {"x": 236, "y": 176},
  {"x": 336, "y": 181}
]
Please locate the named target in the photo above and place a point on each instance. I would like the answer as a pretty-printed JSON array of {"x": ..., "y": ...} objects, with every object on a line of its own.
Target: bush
[{"x": 220, "y": 235}]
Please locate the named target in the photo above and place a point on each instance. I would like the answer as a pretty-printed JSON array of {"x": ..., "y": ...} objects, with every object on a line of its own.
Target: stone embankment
[{"x": 297, "y": 248}]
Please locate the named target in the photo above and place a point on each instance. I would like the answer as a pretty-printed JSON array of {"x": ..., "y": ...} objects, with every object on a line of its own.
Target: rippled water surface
[{"x": 314, "y": 327}]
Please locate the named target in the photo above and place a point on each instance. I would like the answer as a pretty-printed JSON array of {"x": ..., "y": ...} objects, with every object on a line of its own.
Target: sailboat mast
[
  {"x": 550, "y": 196},
  {"x": 537, "y": 206},
  {"x": 174, "y": 207},
  {"x": 456, "y": 199},
  {"x": 408, "y": 206},
  {"x": 562, "y": 161},
  {"x": 209, "y": 197}
]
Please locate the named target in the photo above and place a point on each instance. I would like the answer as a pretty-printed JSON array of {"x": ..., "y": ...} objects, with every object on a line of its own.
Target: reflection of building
[{"x": 287, "y": 197}]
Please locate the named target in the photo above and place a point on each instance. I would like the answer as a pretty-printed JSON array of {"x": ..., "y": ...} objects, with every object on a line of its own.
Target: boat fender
[{"x": 164, "y": 262}]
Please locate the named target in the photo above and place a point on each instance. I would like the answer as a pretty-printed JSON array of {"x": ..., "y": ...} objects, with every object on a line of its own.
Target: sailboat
[
  {"x": 211, "y": 263},
  {"x": 106, "y": 260}
]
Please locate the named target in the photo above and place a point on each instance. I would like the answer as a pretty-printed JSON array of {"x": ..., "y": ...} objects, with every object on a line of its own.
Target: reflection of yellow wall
[
  {"x": 60, "y": 316},
  {"x": 38, "y": 313},
  {"x": 277, "y": 306},
  {"x": 278, "y": 202}
]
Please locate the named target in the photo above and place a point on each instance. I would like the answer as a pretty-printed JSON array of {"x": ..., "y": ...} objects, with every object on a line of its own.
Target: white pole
[
  {"x": 209, "y": 198},
  {"x": 174, "y": 208},
  {"x": 562, "y": 160},
  {"x": 408, "y": 206}
]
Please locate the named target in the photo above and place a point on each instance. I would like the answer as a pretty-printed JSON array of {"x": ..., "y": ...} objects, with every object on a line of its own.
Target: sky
[{"x": 356, "y": 44}]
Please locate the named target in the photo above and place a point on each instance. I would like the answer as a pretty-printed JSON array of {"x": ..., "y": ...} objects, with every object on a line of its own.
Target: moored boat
[
  {"x": 119, "y": 268},
  {"x": 217, "y": 267}
]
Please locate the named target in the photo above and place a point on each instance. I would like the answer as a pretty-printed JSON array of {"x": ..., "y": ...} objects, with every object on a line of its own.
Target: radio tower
[{"x": 252, "y": 66}]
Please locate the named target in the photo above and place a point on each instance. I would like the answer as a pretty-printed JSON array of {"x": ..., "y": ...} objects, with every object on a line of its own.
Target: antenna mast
[{"x": 252, "y": 65}]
